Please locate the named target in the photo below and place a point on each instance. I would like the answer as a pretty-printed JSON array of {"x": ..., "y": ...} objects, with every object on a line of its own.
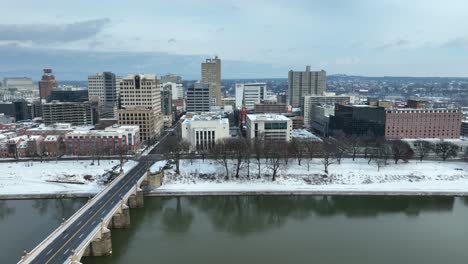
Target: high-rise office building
[
  {"x": 198, "y": 98},
  {"x": 103, "y": 87},
  {"x": 47, "y": 84},
  {"x": 140, "y": 102},
  {"x": 75, "y": 113},
  {"x": 249, "y": 94},
  {"x": 302, "y": 83},
  {"x": 211, "y": 74},
  {"x": 166, "y": 107}
]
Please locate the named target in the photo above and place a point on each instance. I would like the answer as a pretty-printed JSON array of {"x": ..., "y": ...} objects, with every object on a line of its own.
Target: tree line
[{"x": 276, "y": 155}]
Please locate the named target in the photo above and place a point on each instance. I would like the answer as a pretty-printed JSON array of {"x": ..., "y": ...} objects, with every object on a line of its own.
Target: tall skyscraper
[
  {"x": 103, "y": 87},
  {"x": 211, "y": 74},
  {"x": 47, "y": 84},
  {"x": 302, "y": 83},
  {"x": 140, "y": 100}
]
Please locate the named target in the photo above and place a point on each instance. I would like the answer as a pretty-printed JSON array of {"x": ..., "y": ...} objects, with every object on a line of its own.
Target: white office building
[
  {"x": 269, "y": 127},
  {"x": 23, "y": 84},
  {"x": 202, "y": 131},
  {"x": 249, "y": 94}
]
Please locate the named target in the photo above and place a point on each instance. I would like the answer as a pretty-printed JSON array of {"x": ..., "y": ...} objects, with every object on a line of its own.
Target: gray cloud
[
  {"x": 52, "y": 33},
  {"x": 460, "y": 42},
  {"x": 171, "y": 40}
]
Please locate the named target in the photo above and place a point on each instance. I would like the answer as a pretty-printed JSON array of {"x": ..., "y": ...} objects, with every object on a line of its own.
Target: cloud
[
  {"x": 171, "y": 40},
  {"x": 52, "y": 33},
  {"x": 393, "y": 45},
  {"x": 459, "y": 42},
  {"x": 220, "y": 30}
]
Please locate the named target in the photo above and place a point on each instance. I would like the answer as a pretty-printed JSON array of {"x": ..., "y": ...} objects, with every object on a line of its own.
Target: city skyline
[{"x": 368, "y": 38}]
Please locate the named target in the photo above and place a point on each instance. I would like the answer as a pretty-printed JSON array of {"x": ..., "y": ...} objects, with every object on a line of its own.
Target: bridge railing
[
  {"x": 29, "y": 255},
  {"x": 105, "y": 219}
]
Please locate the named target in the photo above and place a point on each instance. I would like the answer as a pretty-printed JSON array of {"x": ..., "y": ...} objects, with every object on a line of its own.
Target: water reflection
[
  {"x": 243, "y": 215},
  {"x": 58, "y": 208},
  {"x": 5, "y": 210},
  {"x": 178, "y": 219}
]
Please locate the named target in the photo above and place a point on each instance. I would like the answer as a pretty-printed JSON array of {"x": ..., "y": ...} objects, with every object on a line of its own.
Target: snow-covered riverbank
[
  {"x": 349, "y": 177},
  {"x": 44, "y": 179}
]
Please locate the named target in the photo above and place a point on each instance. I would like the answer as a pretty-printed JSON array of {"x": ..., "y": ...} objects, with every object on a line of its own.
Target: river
[{"x": 262, "y": 229}]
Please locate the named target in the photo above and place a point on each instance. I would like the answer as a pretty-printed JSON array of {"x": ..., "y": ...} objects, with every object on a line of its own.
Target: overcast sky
[{"x": 255, "y": 38}]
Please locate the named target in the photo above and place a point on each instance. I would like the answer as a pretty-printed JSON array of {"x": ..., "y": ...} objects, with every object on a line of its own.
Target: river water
[{"x": 262, "y": 229}]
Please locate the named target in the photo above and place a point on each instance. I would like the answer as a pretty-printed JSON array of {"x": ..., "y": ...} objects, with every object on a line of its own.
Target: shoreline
[{"x": 164, "y": 193}]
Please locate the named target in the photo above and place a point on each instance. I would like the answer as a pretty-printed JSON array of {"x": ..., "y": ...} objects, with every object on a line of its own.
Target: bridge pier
[
  {"x": 101, "y": 245},
  {"x": 154, "y": 180},
  {"x": 136, "y": 200},
  {"x": 121, "y": 219}
]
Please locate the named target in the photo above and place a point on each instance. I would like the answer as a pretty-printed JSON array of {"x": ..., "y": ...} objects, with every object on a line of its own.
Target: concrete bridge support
[
  {"x": 154, "y": 180},
  {"x": 101, "y": 245},
  {"x": 121, "y": 218},
  {"x": 136, "y": 200}
]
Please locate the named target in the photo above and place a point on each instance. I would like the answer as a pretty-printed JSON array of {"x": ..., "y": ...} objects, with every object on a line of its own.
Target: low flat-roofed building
[
  {"x": 202, "y": 131},
  {"x": 269, "y": 127}
]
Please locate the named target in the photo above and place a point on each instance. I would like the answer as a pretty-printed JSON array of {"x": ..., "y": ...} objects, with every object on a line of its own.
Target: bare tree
[
  {"x": 423, "y": 148},
  {"x": 122, "y": 151},
  {"x": 258, "y": 152},
  {"x": 312, "y": 149},
  {"x": 248, "y": 156},
  {"x": 382, "y": 153},
  {"x": 354, "y": 143},
  {"x": 327, "y": 150},
  {"x": 221, "y": 152},
  {"x": 446, "y": 150},
  {"x": 401, "y": 150},
  {"x": 298, "y": 149},
  {"x": 465, "y": 155},
  {"x": 179, "y": 147},
  {"x": 276, "y": 154},
  {"x": 342, "y": 145},
  {"x": 238, "y": 147}
]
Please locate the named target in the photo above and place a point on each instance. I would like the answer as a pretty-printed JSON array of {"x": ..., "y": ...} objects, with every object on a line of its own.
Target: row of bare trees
[{"x": 276, "y": 155}]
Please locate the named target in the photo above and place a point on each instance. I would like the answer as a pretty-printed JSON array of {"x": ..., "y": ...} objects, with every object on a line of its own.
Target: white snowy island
[{"x": 199, "y": 177}]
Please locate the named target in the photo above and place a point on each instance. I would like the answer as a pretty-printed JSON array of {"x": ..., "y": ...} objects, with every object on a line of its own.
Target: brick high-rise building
[
  {"x": 211, "y": 74},
  {"x": 47, "y": 84},
  {"x": 302, "y": 83}
]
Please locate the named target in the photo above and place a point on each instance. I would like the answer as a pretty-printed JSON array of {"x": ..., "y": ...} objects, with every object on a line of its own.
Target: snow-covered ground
[
  {"x": 26, "y": 178},
  {"x": 349, "y": 176}
]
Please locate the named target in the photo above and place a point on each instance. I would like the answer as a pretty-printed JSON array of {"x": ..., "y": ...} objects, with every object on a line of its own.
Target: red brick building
[{"x": 422, "y": 123}]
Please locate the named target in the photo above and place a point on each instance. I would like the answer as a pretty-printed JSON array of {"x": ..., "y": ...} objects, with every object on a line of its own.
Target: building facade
[
  {"x": 109, "y": 141},
  {"x": 198, "y": 98},
  {"x": 166, "y": 107},
  {"x": 140, "y": 100},
  {"x": 302, "y": 83},
  {"x": 47, "y": 84},
  {"x": 249, "y": 94},
  {"x": 177, "y": 90},
  {"x": 202, "y": 131},
  {"x": 69, "y": 95},
  {"x": 423, "y": 123},
  {"x": 359, "y": 120},
  {"x": 269, "y": 127},
  {"x": 103, "y": 87},
  {"x": 309, "y": 101},
  {"x": 75, "y": 113},
  {"x": 270, "y": 107},
  {"x": 211, "y": 74}
]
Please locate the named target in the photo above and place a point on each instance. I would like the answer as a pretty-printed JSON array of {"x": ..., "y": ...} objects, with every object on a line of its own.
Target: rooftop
[
  {"x": 267, "y": 117},
  {"x": 304, "y": 134}
]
